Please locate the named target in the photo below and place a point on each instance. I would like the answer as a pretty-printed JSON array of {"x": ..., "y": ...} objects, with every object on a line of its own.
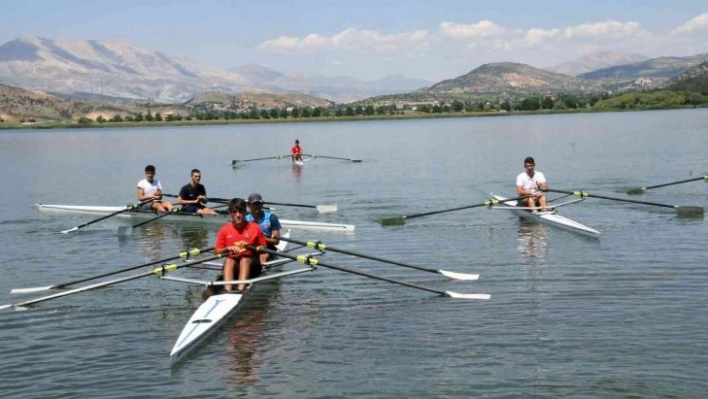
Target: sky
[{"x": 369, "y": 40}]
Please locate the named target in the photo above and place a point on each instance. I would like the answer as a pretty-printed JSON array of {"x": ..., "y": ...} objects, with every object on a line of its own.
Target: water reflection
[
  {"x": 533, "y": 242},
  {"x": 297, "y": 172},
  {"x": 245, "y": 337},
  {"x": 194, "y": 237}
]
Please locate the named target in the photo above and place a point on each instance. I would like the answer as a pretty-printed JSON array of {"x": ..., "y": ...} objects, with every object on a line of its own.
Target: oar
[
  {"x": 397, "y": 221},
  {"x": 637, "y": 191},
  {"x": 320, "y": 208},
  {"x": 321, "y": 247},
  {"x": 681, "y": 210},
  {"x": 127, "y": 230},
  {"x": 159, "y": 271},
  {"x": 324, "y": 156},
  {"x": 127, "y": 208},
  {"x": 184, "y": 255},
  {"x": 237, "y": 161},
  {"x": 314, "y": 262}
]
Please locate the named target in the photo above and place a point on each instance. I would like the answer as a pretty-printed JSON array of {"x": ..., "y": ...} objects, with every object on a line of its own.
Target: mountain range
[
  {"x": 125, "y": 70},
  {"x": 122, "y": 71}
]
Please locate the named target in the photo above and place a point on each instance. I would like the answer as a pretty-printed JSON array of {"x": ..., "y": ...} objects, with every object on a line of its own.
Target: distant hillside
[
  {"x": 260, "y": 100},
  {"x": 336, "y": 88},
  {"x": 694, "y": 79},
  {"x": 511, "y": 79},
  {"x": 597, "y": 60},
  {"x": 18, "y": 105},
  {"x": 659, "y": 68}
]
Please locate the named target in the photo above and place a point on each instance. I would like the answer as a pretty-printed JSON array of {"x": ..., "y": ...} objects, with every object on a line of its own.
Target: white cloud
[
  {"x": 481, "y": 30},
  {"x": 692, "y": 25},
  {"x": 463, "y": 46},
  {"x": 349, "y": 39}
]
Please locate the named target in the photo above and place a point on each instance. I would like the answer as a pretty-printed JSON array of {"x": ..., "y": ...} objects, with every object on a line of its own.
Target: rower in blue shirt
[{"x": 269, "y": 223}]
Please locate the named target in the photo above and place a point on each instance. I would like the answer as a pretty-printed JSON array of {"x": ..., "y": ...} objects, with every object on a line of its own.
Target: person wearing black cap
[
  {"x": 268, "y": 222},
  {"x": 296, "y": 151}
]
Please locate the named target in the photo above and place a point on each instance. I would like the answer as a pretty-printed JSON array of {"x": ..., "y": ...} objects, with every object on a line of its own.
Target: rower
[
  {"x": 530, "y": 182},
  {"x": 296, "y": 151},
  {"x": 193, "y": 196},
  {"x": 150, "y": 189},
  {"x": 232, "y": 239},
  {"x": 268, "y": 222}
]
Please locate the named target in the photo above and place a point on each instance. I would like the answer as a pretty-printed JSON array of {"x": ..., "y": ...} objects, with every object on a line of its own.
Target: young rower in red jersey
[
  {"x": 233, "y": 238},
  {"x": 296, "y": 151}
]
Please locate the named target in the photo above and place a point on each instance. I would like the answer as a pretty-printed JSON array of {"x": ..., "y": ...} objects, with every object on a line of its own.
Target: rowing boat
[
  {"x": 219, "y": 219},
  {"x": 219, "y": 308},
  {"x": 550, "y": 217}
]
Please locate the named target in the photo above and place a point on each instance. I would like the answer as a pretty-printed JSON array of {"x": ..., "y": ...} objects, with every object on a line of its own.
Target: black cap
[{"x": 254, "y": 198}]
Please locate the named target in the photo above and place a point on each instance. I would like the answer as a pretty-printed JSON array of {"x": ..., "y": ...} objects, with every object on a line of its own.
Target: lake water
[{"x": 621, "y": 316}]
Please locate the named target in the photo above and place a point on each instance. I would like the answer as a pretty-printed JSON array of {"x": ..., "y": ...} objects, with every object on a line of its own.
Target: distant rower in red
[{"x": 296, "y": 151}]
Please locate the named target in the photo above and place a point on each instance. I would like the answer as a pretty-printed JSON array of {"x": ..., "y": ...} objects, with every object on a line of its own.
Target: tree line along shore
[{"x": 546, "y": 104}]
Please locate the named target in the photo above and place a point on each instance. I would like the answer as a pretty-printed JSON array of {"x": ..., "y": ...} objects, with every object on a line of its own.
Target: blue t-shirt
[{"x": 268, "y": 223}]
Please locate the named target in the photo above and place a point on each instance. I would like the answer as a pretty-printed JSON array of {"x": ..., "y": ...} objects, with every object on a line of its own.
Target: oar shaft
[
  {"x": 321, "y": 247},
  {"x": 587, "y": 195},
  {"x": 127, "y": 208},
  {"x": 677, "y": 182},
  {"x": 160, "y": 270},
  {"x": 487, "y": 203},
  {"x": 314, "y": 262},
  {"x": 287, "y": 204},
  {"x": 184, "y": 255}
]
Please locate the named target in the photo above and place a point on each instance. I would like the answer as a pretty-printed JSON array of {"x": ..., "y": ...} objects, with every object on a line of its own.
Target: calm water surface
[{"x": 570, "y": 316}]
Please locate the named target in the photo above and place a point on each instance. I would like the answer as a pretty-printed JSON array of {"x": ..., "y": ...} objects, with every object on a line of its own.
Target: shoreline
[{"x": 109, "y": 125}]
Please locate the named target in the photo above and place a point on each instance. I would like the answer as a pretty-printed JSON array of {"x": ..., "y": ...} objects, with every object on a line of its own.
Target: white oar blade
[
  {"x": 459, "y": 276},
  {"x": 69, "y": 231},
  {"x": 326, "y": 208},
  {"x": 30, "y": 290},
  {"x": 467, "y": 296},
  {"x": 4, "y": 306}
]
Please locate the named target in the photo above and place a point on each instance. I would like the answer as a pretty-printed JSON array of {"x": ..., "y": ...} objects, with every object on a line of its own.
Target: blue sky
[{"x": 366, "y": 39}]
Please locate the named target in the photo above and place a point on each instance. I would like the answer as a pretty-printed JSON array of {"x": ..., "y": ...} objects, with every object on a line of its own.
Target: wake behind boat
[
  {"x": 549, "y": 217},
  {"x": 137, "y": 215}
]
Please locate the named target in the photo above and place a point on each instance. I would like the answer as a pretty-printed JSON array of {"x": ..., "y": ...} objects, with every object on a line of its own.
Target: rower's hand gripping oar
[
  {"x": 127, "y": 208},
  {"x": 637, "y": 191},
  {"x": 186, "y": 255},
  {"x": 687, "y": 211},
  {"x": 400, "y": 220},
  {"x": 160, "y": 271},
  {"x": 321, "y": 247},
  {"x": 314, "y": 262}
]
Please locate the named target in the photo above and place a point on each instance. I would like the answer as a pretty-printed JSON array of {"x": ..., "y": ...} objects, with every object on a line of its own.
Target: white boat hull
[
  {"x": 550, "y": 218},
  {"x": 214, "y": 312},
  {"x": 219, "y": 219}
]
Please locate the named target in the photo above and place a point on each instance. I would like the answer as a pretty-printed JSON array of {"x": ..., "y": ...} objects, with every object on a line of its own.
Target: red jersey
[
  {"x": 250, "y": 233},
  {"x": 296, "y": 150}
]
